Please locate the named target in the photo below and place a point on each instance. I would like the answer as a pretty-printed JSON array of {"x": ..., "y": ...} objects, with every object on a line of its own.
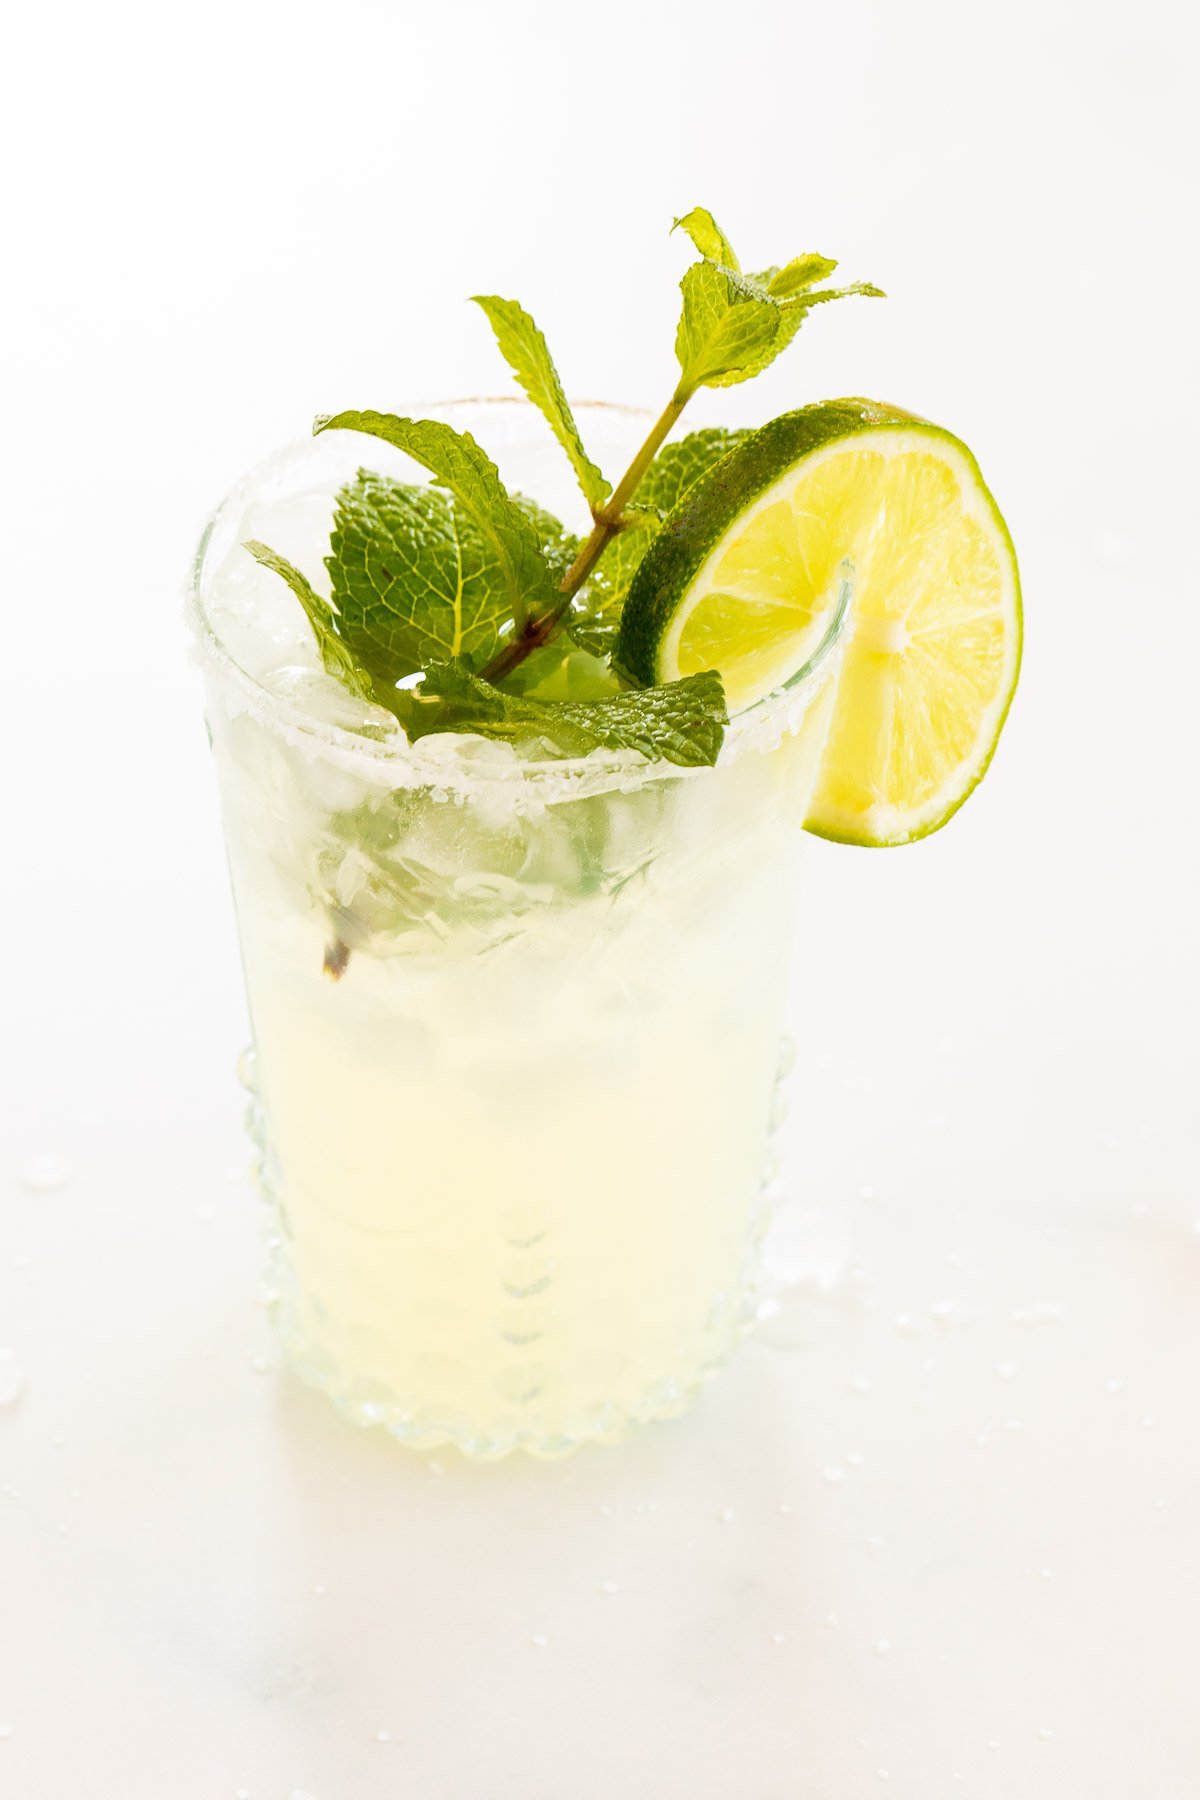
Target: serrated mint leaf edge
[
  {"x": 524, "y": 348},
  {"x": 414, "y": 581},
  {"x": 682, "y": 722},
  {"x": 723, "y": 328},
  {"x": 456, "y": 460},
  {"x": 794, "y": 276},
  {"x": 337, "y": 658},
  {"x": 708, "y": 237},
  {"x": 717, "y": 348}
]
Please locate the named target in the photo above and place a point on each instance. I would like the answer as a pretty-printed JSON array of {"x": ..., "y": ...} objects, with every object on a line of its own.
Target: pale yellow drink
[{"x": 518, "y": 1145}]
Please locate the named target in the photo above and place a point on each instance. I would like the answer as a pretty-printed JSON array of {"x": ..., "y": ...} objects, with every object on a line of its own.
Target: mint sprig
[
  {"x": 462, "y": 582},
  {"x": 527, "y": 354},
  {"x": 467, "y": 577},
  {"x": 734, "y": 325}
]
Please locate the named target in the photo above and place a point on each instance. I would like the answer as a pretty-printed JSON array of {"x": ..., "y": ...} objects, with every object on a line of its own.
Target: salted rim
[{"x": 760, "y": 725}]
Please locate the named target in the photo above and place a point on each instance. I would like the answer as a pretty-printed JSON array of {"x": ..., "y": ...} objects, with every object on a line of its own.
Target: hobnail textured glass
[{"x": 517, "y": 1147}]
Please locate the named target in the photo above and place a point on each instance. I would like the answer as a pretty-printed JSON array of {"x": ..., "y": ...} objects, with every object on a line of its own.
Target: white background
[{"x": 223, "y": 218}]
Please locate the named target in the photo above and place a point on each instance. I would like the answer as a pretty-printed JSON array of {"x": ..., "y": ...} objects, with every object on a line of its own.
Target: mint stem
[{"x": 609, "y": 519}]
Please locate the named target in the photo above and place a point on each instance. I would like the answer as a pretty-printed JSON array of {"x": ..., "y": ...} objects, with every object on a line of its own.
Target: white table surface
[{"x": 935, "y": 1535}]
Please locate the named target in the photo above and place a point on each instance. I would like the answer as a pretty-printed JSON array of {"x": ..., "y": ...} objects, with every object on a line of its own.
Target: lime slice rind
[
  {"x": 739, "y": 577},
  {"x": 888, "y": 827}
]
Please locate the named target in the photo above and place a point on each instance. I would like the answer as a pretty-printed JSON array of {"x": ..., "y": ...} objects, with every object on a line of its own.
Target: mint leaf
[
  {"x": 414, "y": 580},
  {"x": 682, "y": 722},
  {"x": 679, "y": 466},
  {"x": 726, "y": 334},
  {"x": 596, "y": 617},
  {"x": 559, "y": 547},
  {"x": 794, "y": 311},
  {"x": 708, "y": 237},
  {"x": 525, "y": 351},
  {"x": 457, "y": 461},
  {"x": 734, "y": 325},
  {"x": 337, "y": 657},
  {"x": 795, "y": 276}
]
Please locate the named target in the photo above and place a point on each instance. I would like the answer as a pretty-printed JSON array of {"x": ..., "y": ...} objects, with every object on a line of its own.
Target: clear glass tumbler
[{"x": 517, "y": 1021}]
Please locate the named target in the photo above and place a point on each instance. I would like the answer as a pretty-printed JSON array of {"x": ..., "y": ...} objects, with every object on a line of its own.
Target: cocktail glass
[{"x": 517, "y": 1019}]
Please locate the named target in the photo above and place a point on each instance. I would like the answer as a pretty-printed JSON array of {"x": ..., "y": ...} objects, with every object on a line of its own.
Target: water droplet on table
[
  {"x": 538, "y": 1641},
  {"x": 950, "y": 1313},
  {"x": 1045, "y": 1734},
  {"x": 882, "y": 1647},
  {"x": 12, "y": 1379},
  {"x": 608, "y": 1587},
  {"x": 1042, "y": 1312},
  {"x": 43, "y": 1173}
]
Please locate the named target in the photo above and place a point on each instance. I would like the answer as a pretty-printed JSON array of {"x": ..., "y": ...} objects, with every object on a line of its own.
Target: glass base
[{"x": 527, "y": 1419}]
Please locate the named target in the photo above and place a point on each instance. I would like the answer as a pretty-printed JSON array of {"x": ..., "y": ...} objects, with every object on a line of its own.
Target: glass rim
[{"x": 772, "y": 713}]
